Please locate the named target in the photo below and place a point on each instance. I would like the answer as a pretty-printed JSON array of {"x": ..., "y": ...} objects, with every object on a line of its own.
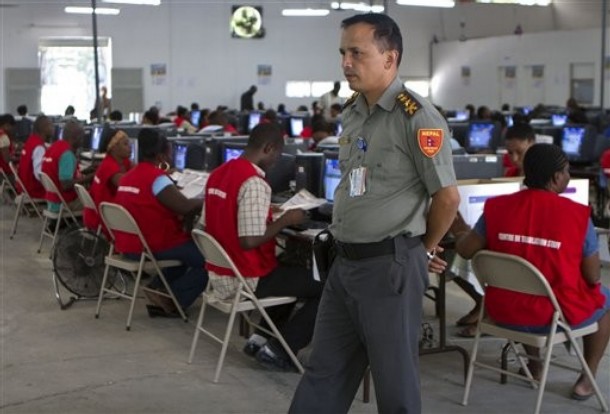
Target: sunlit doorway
[{"x": 68, "y": 75}]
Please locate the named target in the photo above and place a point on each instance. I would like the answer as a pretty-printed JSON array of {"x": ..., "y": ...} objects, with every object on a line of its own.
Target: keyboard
[{"x": 310, "y": 224}]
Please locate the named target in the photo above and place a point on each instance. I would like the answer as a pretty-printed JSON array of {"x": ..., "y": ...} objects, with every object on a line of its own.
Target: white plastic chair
[
  {"x": 516, "y": 274},
  {"x": 117, "y": 218},
  {"x": 64, "y": 213},
  {"x": 245, "y": 300},
  {"x": 25, "y": 202}
]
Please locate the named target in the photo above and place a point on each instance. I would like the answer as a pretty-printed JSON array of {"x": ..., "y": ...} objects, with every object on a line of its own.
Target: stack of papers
[
  {"x": 190, "y": 182},
  {"x": 303, "y": 200}
]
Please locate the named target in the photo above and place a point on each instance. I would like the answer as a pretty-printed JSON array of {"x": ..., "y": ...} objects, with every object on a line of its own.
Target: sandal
[{"x": 471, "y": 318}]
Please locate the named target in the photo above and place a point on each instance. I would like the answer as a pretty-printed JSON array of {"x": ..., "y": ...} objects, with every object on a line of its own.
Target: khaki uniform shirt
[{"x": 400, "y": 177}]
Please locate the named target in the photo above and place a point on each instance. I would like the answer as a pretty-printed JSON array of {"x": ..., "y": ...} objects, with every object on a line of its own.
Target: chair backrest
[
  {"x": 18, "y": 180},
  {"x": 510, "y": 272},
  {"x": 50, "y": 186},
  {"x": 7, "y": 181},
  {"x": 85, "y": 197},
  {"x": 213, "y": 252},
  {"x": 117, "y": 218}
]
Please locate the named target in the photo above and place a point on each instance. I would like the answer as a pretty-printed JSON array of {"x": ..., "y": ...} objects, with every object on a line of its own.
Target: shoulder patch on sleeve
[
  {"x": 407, "y": 103},
  {"x": 430, "y": 141},
  {"x": 351, "y": 100}
]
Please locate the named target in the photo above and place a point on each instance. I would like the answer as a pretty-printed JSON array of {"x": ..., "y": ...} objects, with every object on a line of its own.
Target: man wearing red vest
[
  {"x": 32, "y": 154},
  {"x": 557, "y": 236},
  {"x": 61, "y": 165},
  {"x": 237, "y": 213},
  {"x": 7, "y": 123}
]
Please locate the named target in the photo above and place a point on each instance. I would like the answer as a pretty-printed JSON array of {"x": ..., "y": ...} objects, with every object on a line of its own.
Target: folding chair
[
  {"x": 25, "y": 202},
  {"x": 7, "y": 190},
  {"x": 517, "y": 274},
  {"x": 87, "y": 201},
  {"x": 117, "y": 218},
  {"x": 64, "y": 213},
  {"x": 244, "y": 301}
]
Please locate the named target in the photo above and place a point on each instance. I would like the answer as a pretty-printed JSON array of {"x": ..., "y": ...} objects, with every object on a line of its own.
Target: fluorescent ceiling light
[
  {"x": 89, "y": 10},
  {"x": 305, "y": 12},
  {"x": 427, "y": 3},
  {"x": 519, "y": 2},
  {"x": 139, "y": 2},
  {"x": 361, "y": 7}
]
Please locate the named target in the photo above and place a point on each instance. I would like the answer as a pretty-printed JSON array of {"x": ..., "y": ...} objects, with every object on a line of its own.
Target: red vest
[
  {"x": 161, "y": 227},
  {"x": 3, "y": 164},
  {"x": 50, "y": 166},
  {"x": 221, "y": 206},
  {"x": 26, "y": 167},
  {"x": 555, "y": 228},
  {"x": 102, "y": 188}
]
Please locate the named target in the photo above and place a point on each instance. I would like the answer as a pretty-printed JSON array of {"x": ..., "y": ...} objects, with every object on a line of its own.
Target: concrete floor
[{"x": 56, "y": 361}]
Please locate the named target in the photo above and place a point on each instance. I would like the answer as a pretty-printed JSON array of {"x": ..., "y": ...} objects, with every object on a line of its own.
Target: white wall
[
  {"x": 555, "y": 50},
  {"x": 206, "y": 65}
]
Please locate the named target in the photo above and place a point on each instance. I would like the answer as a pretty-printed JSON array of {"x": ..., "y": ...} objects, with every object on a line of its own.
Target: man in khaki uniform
[{"x": 396, "y": 199}]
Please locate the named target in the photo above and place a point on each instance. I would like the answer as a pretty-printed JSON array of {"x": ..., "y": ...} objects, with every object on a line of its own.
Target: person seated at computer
[
  {"x": 150, "y": 118},
  {"x": 115, "y": 116},
  {"x": 7, "y": 122},
  {"x": 576, "y": 114},
  {"x": 517, "y": 140},
  {"x": 69, "y": 113},
  {"x": 106, "y": 180},
  {"x": 483, "y": 113},
  {"x": 32, "y": 154},
  {"x": 281, "y": 110},
  {"x": 569, "y": 260},
  {"x": 307, "y": 131},
  {"x": 237, "y": 213},
  {"x": 321, "y": 132},
  {"x": 161, "y": 212},
  {"x": 219, "y": 118},
  {"x": 335, "y": 113},
  {"x": 182, "y": 122},
  {"x": 61, "y": 165}
]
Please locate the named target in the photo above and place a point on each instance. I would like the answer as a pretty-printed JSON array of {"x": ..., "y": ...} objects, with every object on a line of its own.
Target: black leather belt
[{"x": 358, "y": 251}]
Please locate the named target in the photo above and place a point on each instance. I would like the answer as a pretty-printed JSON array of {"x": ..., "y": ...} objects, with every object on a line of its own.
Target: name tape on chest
[{"x": 430, "y": 141}]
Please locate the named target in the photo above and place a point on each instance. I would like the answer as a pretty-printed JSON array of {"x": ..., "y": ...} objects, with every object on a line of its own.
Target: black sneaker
[
  {"x": 270, "y": 360},
  {"x": 251, "y": 348}
]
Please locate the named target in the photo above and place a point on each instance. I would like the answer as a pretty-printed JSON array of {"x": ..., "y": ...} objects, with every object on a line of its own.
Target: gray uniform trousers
[{"x": 370, "y": 313}]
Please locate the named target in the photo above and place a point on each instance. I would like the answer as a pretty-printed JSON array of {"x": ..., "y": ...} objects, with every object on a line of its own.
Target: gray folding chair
[
  {"x": 87, "y": 201},
  {"x": 7, "y": 189},
  {"x": 65, "y": 213},
  {"x": 516, "y": 274},
  {"x": 244, "y": 301},
  {"x": 117, "y": 218},
  {"x": 25, "y": 202}
]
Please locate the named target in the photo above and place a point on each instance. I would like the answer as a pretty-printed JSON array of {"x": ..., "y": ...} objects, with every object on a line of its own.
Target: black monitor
[
  {"x": 481, "y": 136},
  {"x": 179, "y": 155},
  {"x": 232, "y": 150},
  {"x": 559, "y": 120},
  {"x": 308, "y": 174},
  {"x": 578, "y": 142},
  {"x": 296, "y": 126},
  {"x": 195, "y": 118},
  {"x": 135, "y": 155},
  {"x": 281, "y": 173},
  {"x": 195, "y": 156},
  {"x": 96, "y": 137},
  {"x": 332, "y": 175},
  {"x": 477, "y": 166},
  {"x": 254, "y": 118}
]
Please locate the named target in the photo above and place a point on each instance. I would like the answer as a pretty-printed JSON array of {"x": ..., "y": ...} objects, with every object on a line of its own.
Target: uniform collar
[{"x": 387, "y": 101}]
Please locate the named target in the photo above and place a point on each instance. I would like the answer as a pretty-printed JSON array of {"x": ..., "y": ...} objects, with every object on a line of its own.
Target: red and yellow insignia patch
[{"x": 430, "y": 141}]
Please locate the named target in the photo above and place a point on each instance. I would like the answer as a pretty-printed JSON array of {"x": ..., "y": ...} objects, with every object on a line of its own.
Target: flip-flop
[{"x": 579, "y": 397}]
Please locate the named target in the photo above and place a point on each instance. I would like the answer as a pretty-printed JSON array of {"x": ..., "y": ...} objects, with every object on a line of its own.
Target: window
[
  {"x": 68, "y": 74},
  {"x": 298, "y": 89},
  {"x": 307, "y": 89},
  {"x": 421, "y": 87}
]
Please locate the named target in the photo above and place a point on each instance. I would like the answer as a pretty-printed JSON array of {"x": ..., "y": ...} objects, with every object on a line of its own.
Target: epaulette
[
  {"x": 408, "y": 103},
  {"x": 351, "y": 99}
]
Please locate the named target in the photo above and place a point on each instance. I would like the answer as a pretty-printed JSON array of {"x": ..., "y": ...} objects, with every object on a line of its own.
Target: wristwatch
[{"x": 431, "y": 254}]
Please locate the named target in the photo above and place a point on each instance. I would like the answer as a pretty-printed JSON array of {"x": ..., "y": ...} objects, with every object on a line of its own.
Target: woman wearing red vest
[
  {"x": 106, "y": 179},
  {"x": 568, "y": 259},
  {"x": 32, "y": 153},
  {"x": 238, "y": 215},
  {"x": 159, "y": 208},
  {"x": 6, "y": 143}
]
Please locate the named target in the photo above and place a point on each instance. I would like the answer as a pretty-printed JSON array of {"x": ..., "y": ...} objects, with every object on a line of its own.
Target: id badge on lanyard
[{"x": 357, "y": 176}]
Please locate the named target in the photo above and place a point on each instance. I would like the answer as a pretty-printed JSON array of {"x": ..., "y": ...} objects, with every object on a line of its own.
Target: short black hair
[
  {"x": 540, "y": 164},
  {"x": 181, "y": 111},
  {"x": 69, "y": 110},
  {"x": 387, "y": 33},
  {"x": 7, "y": 119},
  {"x": 520, "y": 131},
  {"x": 39, "y": 123},
  {"x": 116, "y": 115},
  {"x": 263, "y": 134},
  {"x": 22, "y": 110},
  {"x": 151, "y": 142}
]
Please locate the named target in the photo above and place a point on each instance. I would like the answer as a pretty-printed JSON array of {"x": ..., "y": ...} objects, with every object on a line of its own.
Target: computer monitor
[
  {"x": 179, "y": 155},
  {"x": 462, "y": 115},
  {"x": 254, "y": 118},
  {"x": 195, "y": 118},
  {"x": 477, "y": 166},
  {"x": 195, "y": 156},
  {"x": 559, "y": 120},
  {"x": 332, "y": 175},
  {"x": 308, "y": 174},
  {"x": 296, "y": 126},
  {"x": 575, "y": 143},
  {"x": 509, "y": 120},
  {"x": 480, "y": 136},
  {"x": 96, "y": 137},
  {"x": 281, "y": 173},
  {"x": 59, "y": 132},
  {"x": 232, "y": 150},
  {"x": 135, "y": 155}
]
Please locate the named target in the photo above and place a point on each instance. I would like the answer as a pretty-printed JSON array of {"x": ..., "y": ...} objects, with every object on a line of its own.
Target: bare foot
[
  {"x": 471, "y": 318},
  {"x": 583, "y": 388}
]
